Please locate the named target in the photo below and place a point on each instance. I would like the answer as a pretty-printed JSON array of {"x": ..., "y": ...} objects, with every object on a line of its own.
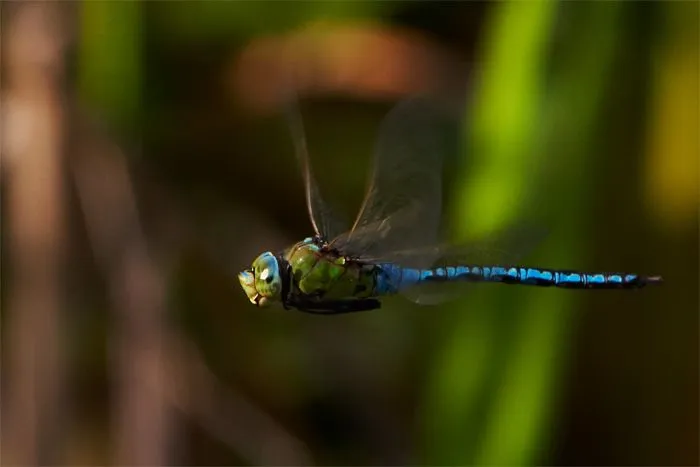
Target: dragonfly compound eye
[{"x": 268, "y": 282}]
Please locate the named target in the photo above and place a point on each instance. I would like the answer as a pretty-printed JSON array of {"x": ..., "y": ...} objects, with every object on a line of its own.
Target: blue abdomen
[{"x": 393, "y": 278}]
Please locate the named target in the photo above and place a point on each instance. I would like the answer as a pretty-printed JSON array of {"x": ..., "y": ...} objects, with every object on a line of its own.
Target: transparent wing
[
  {"x": 507, "y": 248},
  {"x": 323, "y": 219},
  {"x": 403, "y": 202},
  {"x": 504, "y": 248}
]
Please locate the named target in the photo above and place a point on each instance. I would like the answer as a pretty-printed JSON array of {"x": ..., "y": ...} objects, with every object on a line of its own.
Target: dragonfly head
[{"x": 262, "y": 283}]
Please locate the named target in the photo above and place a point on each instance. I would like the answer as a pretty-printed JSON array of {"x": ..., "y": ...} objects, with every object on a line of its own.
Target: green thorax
[{"x": 327, "y": 275}]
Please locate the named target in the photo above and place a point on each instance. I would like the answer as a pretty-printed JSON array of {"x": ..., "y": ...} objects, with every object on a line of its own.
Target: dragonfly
[{"x": 393, "y": 246}]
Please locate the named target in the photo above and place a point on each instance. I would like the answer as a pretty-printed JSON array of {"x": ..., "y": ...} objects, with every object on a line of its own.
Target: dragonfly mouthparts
[{"x": 247, "y": 280}]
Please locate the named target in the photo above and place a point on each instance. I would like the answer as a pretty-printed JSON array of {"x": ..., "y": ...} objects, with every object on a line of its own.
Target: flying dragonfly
[{"x": 393, "y": 246}]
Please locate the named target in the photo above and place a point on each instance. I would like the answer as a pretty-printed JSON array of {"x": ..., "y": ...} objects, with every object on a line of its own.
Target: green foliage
[
  {"x": 110, "y": 53},
  {"x": 240, "y": 19},
  {"x": 495, "y": 379}
]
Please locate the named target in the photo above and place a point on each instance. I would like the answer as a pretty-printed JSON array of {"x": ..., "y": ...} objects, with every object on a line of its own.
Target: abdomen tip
[{"x": 654, "y": 280}]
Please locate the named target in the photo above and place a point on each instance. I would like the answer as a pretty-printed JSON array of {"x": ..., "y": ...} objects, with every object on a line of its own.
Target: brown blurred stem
[
  {"x": 31, "y": 146},
  {"x": 136, "y": 291},
  {"x": 155, "y": 365},
  {"x": 226, "y": 414}
]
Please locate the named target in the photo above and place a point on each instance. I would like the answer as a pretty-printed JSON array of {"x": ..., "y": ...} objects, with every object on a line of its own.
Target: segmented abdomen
[{"x": 393, "y": 278}]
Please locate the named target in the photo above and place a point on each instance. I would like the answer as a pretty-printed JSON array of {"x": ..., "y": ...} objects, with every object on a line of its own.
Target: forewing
[
  {"x": 323, "y": 218},
  {"x": 403, "y": 201}
]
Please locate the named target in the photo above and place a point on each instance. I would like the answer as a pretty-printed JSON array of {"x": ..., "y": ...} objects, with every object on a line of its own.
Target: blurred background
[{"x": 145, "y": 160}]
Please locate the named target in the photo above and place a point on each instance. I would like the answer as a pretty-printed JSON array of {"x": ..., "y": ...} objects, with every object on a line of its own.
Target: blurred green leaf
[
  {"x": 495, "y": 379},
  {"x": 210, "y": 19},
  {"x": 110, "y": 72}
]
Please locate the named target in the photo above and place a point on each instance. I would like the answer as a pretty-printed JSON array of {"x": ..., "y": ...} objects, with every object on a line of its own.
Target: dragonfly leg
[{"x": 336, "y": 307}]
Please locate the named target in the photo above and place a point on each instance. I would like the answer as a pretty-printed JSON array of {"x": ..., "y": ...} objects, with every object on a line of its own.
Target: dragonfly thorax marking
[{"x": 321, "y": 273}]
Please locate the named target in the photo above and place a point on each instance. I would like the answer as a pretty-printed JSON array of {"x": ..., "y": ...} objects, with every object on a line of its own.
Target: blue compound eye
[{"x": 268, "y": 282}]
